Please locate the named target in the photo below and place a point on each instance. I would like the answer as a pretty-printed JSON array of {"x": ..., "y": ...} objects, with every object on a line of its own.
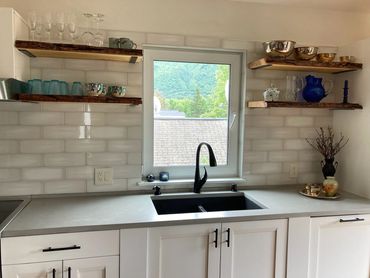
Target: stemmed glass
[
  {"x": 60, "y": 25},
  {"x": 87, "y": 36},
  {"x": 71, "y": 24},
  {"x": 99, "y": 35},
  {"x": 47, "y": 25},
  {"x": 38, "y": 28},
  {"x": 32, "y": 17}
]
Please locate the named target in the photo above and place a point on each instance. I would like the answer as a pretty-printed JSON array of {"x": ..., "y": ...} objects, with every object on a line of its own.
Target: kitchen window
[{"x": 192, "y": 96}]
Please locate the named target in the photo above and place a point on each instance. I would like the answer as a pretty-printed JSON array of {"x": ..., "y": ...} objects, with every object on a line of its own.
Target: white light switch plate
[{"x": 103, "y": 176}]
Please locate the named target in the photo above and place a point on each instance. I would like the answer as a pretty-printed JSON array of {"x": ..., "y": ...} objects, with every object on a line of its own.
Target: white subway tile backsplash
[
  {"x": 63, "y": 74},
  {"x": 42, "y": 174},
  {"x": 85, "y": 145},
  {"x": 7, "y": 175},
  {"x": 113, "y": 78},
  {"x": 134, "y": 79},
  {"x": 108, "y": 132},
  {"x": 283, "y": 133},
  {"x": 19, "y": 106},
  {"x": 134, "y": 91},
  {"x": 41, "y": 146},
  {"x": 19, "y": 132},
  {"x": 203, "y": 42},
  {"x": 299, "y": 121},
  {"x": 307, "y": 132},
  {"x": 127, "y": 171},
  {"x": 118, "y": 185},
  {"x": 80, "y": 118},
  {"x": 256, "y": 133},
  {"x": 64, "y": 159},
  {"x": 285, "y": 111},
  {"x": 35, "y": 73},
  {"x": 296, "y": 144},
  {"x": 124, "y": 146},
  {"x": 62, "y": 107},
  {"x": 126, "y": 119},
  {"x": 250, "y": 157},
  {"x": 20, "y": 160},
  {"x": 20, "y": 188},
  {"x": 317, "y": 112},
  {"x": 105, "y": 107},
  {"x": 50, "y": 63},
  {"x": 264, "y": 121},
  {"x": 41, "y": 118},
  {"x": 134, "y": 158},
  {"x": 9, "y": 146},
  {"x": 64, "y": 132},
  {"x": 85, "y": 65},
  {"x": 8, "y": 118},
  {"x": 65, "y": 186},
  {"x": 266, "y": 168},
  {"x": 323, "y": 121},
  {"x": 310, "y": 178},
  {"x": 282, "y": 156},
  {"x": 124, "y": 67},
  {"x": 309, "y": 155},
  {"x": 85, "y": 172},
  {"x": 255, "y": 179},
  {"x": 165, "y": 39},
  {"x": 267, "y": 145},
  {"x": 106, "y": 159},
  {"x": 283, "y": 179},
  {"x": 134, "y": 132}
]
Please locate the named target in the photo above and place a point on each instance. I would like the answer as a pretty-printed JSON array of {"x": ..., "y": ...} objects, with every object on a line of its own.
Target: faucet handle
[{"x": 157, "y": 190}]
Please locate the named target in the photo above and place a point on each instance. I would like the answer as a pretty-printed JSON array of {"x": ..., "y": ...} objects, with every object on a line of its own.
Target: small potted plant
[{"x": 326, "y": 144}]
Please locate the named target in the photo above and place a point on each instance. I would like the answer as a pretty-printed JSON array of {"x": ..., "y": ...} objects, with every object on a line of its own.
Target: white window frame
[{"x": 237, "y": 62}]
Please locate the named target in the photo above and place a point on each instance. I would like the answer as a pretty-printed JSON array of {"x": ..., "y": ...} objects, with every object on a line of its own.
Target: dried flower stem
[{"x": 325, "y": 144}]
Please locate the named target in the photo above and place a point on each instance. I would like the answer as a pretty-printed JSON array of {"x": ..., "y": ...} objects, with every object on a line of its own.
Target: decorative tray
[{"x": 315, "y": 191}]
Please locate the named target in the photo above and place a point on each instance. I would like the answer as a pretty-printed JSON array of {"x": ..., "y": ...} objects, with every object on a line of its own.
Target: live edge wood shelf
[
  {"x": 289, "y": 104},
  {"x": 75, "y": 51},
  {"x": 60, "y": 98},
  {"x": 308, "y": 66}
]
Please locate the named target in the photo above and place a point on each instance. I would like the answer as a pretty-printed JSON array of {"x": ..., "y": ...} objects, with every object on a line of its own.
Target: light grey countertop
[{"x": 91, "y": 213}]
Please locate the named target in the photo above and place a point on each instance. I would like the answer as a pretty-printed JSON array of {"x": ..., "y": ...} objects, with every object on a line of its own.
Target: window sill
[{"x": 187, "y": 182}]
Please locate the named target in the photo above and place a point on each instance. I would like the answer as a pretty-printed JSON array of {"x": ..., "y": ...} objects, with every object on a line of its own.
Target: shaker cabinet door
[
  {"x": 340, "y": 247},
  {"x": 254, "y": 249},
  {"x": 184, "y": 251},
  {"x": 34, "y": 270},
  {"x": 100, "y": 267}
]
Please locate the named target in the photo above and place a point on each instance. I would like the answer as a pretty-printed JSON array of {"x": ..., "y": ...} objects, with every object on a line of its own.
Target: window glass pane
[{"x": 191, "y": 105}]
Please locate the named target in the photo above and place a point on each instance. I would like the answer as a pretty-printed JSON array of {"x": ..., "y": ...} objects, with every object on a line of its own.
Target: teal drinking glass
[
  {"x": 64, "y": 88},
  {"x": 54, "y": 88},
  {"x": 46, "y": 87},
  {"x": 35, "y": 86},
  {"x": 77, "y": 89}
]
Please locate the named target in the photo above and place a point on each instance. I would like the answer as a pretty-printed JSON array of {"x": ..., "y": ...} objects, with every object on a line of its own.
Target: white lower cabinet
[
  {"x": 72, "y": 255},
  {"x": 228, "y": 250},
  {"x": 34, "y": 270},
  {"x": 340, "y": 247}
]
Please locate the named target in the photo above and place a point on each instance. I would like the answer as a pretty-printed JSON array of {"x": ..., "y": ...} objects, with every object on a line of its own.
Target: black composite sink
[{"x": 172, "y": 204}]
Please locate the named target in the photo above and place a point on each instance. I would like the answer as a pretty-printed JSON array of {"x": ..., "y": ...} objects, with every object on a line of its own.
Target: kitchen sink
[{"x": 172, "y": 204}]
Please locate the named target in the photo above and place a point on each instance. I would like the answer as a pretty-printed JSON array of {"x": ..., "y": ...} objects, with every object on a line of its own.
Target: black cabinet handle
[
  {"x": 216, "y": 238},
  {"x": 228, "y": 237},
  {"x": 351, "y": 220},
  {"x": 54, "y": 271},
  {"x": 69, "y": 272},
  {"x": 50, "y": 249}
]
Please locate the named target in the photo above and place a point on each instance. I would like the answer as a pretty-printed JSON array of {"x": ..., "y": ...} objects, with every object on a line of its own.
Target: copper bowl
[
  {"x": 305, "y": 52},
  {"x": 325, "y": 57},
  {"x": 278, "y": 49}
]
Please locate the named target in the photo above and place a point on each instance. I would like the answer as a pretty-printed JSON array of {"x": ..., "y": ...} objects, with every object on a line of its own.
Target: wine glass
[
  {"x": 87, "y": 36},
  {"x": 99, "y": 34},
  {"x": 32, "y": 17},
  {"x": 38, "y": 28},
  {"x": 47, "y": 25},
  {"x": 60, "y": 25},
  {"x": 71, "y": 24}
]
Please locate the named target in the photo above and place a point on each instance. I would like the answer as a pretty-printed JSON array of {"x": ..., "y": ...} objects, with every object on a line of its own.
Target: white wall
[
  {"x": 354, "y": 160},
  {"x": 217, "y": 18}
]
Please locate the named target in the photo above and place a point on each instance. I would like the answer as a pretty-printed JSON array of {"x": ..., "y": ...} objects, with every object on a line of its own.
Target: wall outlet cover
[{"x": 103, "y": 176}]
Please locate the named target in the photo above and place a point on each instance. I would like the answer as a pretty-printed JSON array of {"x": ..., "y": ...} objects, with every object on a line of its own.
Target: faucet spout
[{"x": 199, "y": 182}]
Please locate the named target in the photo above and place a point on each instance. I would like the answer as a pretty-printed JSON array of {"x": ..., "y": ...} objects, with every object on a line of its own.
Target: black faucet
[{"x": 198, "y": 182}]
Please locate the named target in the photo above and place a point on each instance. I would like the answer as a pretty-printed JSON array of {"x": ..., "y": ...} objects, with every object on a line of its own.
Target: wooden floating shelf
[
  {"x": 289, "y": 104},
  {"x": 309, "y": 66},
  {"x": 99, "y": 99},
  {"x": 75, "y": 51}
]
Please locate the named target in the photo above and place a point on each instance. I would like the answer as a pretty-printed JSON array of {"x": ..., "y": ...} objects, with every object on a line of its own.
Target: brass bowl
[
  {"x": 325, "y": 57},
  {"x": 278, "y": 49},
  {"x": 305, "y": 52},
  {"x": 347, "y": 59}
]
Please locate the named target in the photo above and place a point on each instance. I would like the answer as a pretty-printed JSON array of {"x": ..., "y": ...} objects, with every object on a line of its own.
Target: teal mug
[{"x": 127, "y": 43}]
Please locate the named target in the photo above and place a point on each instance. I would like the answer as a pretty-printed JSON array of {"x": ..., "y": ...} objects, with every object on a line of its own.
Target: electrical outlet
[
  {"x": 293, "y": 171},
  {"x": 103, "y": 176}
]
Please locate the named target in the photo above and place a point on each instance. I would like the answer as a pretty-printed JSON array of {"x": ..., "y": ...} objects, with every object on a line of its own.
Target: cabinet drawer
[{"x": 28, "y": 249}]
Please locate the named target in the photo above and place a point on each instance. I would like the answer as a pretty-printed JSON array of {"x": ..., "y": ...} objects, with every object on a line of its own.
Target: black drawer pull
[
  {"x": 69, "y": 272},
  {"x": 54, "y": 271},
  {"x": 216, "y": 238},
  {"x": 228, "y": 237},
  {"x": 351, "y": 220},
  {"x": 50, "y": 249}
]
